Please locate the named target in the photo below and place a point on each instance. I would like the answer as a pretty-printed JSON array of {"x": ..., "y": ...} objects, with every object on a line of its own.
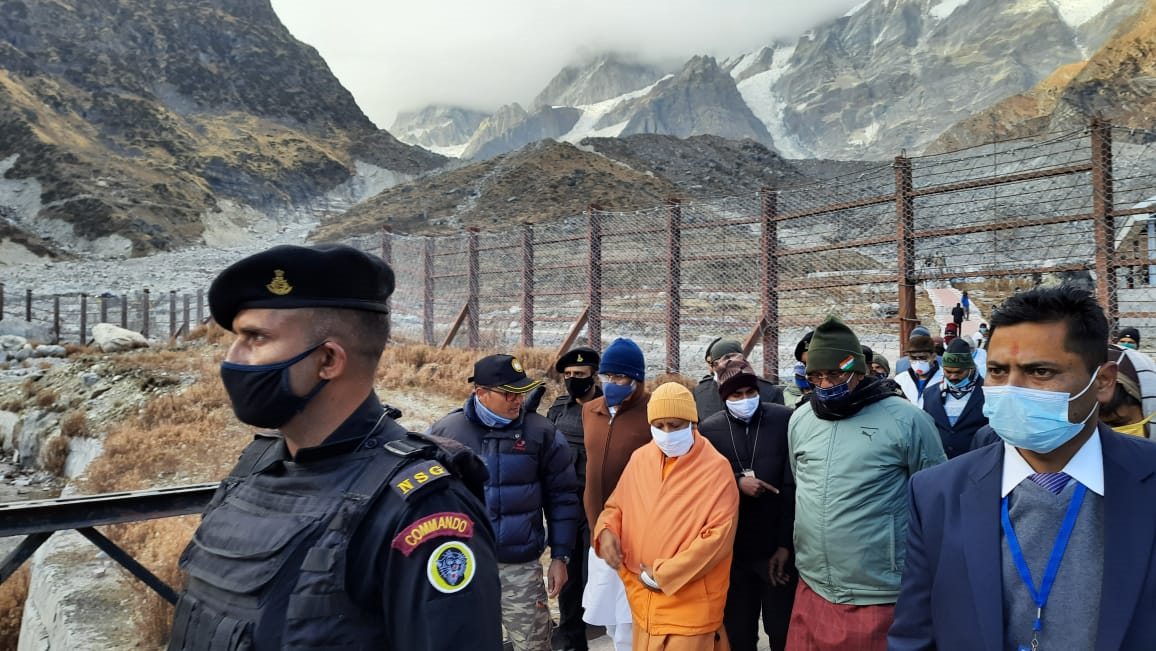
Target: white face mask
[
  {"x": 921, "y": 366},
  {"x": 673, "y": 444},
  {"x": 743, "y": 409}
]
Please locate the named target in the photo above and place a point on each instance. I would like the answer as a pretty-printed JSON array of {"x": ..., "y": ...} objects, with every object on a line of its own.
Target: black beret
[
  {"x": 803, "y": 345},
  {"x": 287, "y": 276},
  {"x": 580, "y": 356}
]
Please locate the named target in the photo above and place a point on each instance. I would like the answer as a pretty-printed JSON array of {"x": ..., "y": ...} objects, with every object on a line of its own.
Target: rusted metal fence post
[
  {"x": 769, "y": 277},
  {"x": 185, "y": 325},
  {"x": 56, "y": 319},
  {"x": 905, "y": 227},
  {"x": 673, "y": 284},
  {"x": 594, "y": 277},
  {"x": 472, "y": 273},
  {"x": 83, "y": 319},
  {"x": 104, "y": 307},
  {"x": 1, "y": 301},
  {"x": 124, "y": 311},
  {"x": 145, "y": 307},
  {"x": 1103, "y": 202},
  {"x": 172, "y": 313},
  {"x": 387, "y": 244},
  {"x": 427, "y": 310},
  {"x": 527, "y": 285},
  {"x": 28, "y": 305},
  {"x": 200, "y": 306}
]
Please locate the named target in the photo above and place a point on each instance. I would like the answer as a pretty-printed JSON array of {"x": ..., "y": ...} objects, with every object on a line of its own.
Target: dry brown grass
[
  {"x": 12, "y": 595},
  {"x": 53, "y": 454},
  {"x": 446, "y": 371},
  {"x": 46, "y": 399},
  {"x": 75, "y": 424},
  {"x": 14, "y": 405},
  {"x": 671, "y": 377}
]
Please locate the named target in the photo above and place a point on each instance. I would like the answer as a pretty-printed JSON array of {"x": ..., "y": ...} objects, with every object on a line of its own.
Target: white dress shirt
[{"x": 1086, "y": 467}]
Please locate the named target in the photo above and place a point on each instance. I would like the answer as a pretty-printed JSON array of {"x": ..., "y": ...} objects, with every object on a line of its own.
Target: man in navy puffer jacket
[{"x": 530, "y": 473}]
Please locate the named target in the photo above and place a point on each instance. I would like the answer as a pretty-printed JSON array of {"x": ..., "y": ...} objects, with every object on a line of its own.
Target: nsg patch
[{"x": 451, "y": 567}]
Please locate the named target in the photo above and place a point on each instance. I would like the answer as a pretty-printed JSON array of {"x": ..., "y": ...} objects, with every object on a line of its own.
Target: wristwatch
[{"x": 565, "y": 559}]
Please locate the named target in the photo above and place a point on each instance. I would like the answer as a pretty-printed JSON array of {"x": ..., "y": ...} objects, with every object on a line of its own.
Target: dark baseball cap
[{"x": 503, "y": 372}]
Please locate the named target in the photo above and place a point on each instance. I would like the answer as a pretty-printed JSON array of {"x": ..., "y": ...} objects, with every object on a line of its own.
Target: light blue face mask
[
  {"x": 489, "y": 418},
  {"x": 1033, "y": 419}
]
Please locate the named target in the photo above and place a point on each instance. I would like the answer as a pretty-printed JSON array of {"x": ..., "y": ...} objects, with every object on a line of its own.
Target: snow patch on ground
[
  {"x": 945, "y": 8},
  {"x": 758, "y": 92},
  {"x": 592, "y": 113},
  {"x": 1077, "y": 12}
]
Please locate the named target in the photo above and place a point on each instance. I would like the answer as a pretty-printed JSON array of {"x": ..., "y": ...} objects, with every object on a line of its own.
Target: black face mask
[
  {"x": 260, "y": 393},
  {"x": 578, "y": 387}
]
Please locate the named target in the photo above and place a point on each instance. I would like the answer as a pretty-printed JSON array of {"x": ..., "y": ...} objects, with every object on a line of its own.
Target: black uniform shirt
[{"x": 392, "y": 568}]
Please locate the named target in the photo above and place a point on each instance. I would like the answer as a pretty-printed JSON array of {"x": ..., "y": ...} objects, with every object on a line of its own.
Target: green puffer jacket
[{"x": 851, "y": 498}]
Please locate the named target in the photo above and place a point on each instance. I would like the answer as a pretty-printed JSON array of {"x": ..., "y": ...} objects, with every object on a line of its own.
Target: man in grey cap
[
  {"x": 718, "y": 353},
  {"x": 338, "y": 530}
]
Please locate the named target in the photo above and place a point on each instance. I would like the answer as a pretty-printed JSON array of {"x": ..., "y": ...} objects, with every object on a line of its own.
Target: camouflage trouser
[{"x": 525, "y": 611}]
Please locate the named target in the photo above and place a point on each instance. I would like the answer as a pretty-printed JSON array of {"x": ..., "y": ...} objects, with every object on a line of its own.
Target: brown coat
[{"x": 609, "y": 446}]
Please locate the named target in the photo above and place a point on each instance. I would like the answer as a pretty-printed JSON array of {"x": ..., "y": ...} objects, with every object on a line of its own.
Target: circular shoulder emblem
[
  {"x": 517, "y": 365},
  {"x": 451, "y": 567}
]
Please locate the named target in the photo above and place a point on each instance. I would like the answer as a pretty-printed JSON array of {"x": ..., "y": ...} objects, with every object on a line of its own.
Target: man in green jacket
[{"x": 853, "y": 447}]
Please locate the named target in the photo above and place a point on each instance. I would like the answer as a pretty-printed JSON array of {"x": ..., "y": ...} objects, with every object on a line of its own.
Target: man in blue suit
[{"x": 1049, "y": 537}]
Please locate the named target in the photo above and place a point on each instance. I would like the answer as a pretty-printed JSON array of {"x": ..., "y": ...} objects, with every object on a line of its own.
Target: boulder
[
  {"x": 12, "y": 343},
  {"x": 29, "y": 434},
  {"x": 113, "y": 339},
  {"x": 22, "y": 354},
  {"x": 47, "y": 350}
]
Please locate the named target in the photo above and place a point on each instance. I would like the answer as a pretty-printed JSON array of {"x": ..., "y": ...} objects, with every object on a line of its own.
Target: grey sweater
[{"x": 1072, "y": 612}]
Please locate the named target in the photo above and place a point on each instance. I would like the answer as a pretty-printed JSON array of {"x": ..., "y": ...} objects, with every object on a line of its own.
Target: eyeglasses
[
  {"x": 830, "y": 377},
  {"x": 507, "y": 396},
  {"x": 615, "y": 378}
]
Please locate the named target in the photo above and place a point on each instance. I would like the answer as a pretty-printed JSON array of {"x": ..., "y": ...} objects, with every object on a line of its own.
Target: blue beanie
[{"x": 625, "y": 357}]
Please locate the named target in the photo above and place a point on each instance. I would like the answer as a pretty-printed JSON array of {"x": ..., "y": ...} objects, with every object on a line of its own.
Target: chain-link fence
[{"x": 885, "y": 248}]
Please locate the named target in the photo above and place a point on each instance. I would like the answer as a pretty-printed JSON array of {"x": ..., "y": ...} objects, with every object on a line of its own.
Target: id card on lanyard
[{"x": 1040, "y": 596}]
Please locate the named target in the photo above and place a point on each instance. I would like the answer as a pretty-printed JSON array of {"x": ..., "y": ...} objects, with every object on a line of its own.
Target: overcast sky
[{"x": 405, "y": 54}]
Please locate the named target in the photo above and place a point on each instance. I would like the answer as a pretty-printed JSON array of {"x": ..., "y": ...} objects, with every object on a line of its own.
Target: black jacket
[
  {"x": 957, "y": 314},
  {"x": 709, "y": 403},
  {"x": 957, "y": 438},
  {"x": 566, "y": 414},
  {"x": 766, "y": 522}
]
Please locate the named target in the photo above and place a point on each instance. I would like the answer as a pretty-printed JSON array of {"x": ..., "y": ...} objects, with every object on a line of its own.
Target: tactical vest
[
  {"x": 267, "y": 567},
  {"x": 567, "y": 416}
]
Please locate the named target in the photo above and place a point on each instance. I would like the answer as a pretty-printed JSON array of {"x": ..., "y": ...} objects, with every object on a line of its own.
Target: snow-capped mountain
[
  {"x": 889, "y": 75},
  {"x": 441, "y": 129}
]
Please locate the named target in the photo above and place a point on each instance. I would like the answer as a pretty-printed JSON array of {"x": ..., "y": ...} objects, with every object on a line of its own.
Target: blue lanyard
[{"x": 1040, "y": 597}]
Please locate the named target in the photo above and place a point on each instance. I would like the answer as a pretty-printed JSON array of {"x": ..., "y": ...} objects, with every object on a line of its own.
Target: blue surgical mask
[
  {"x": 743, "y": 409},
  {"x": 1033, "y": 419},
  {"x": 835, "y": 393},
  {"x": 962, "y": 384},
  {"x": 801, "y": 377},
  {"x": 489, "y": 418},
  {"x": 673, "y": 444},
  {"x": 1128, "y": 345},
  {"x": 616, "y": 394}
]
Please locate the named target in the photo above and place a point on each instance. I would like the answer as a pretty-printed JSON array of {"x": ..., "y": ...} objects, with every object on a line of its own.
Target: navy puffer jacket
[{"x": 530, "y": 472}]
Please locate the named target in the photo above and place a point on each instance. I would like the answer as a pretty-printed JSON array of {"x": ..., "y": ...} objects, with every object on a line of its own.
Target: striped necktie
[{"x": 1053, "y": 481}]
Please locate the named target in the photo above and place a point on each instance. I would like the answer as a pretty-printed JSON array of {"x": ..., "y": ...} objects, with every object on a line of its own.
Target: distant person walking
[
  {"x": 966, "y": 303},
  {"x": 957, "y": 315}
]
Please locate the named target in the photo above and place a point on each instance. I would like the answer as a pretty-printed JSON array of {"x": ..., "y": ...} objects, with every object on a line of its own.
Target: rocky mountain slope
[
  {"x": 889, "y": 75},
  {"x": 549, "y": 180},
  {"x": 130, "y": 123},
  {"x": 1118, "y": 83},
  {"x": 441, "y": 129}
]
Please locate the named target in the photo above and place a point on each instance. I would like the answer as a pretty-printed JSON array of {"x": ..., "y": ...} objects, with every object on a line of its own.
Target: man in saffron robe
[{"x": 668, "y": 529}]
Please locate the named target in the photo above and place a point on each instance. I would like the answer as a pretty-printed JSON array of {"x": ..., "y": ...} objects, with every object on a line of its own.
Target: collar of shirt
[{"x": 1086, "y": 467}]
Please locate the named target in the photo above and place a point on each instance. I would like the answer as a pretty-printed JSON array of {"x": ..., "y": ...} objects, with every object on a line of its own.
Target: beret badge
[{"x": 279, "y": 285}]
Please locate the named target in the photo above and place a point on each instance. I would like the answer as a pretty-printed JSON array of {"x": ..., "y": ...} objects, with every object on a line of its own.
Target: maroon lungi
[{"x": 819, "y": 625}]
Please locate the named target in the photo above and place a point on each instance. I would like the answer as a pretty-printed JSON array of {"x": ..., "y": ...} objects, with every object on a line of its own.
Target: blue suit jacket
[{"x": 952, "y": 594}]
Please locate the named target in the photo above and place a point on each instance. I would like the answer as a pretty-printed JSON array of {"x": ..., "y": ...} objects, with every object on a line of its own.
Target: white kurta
[{"x": 605, "y": 595}]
